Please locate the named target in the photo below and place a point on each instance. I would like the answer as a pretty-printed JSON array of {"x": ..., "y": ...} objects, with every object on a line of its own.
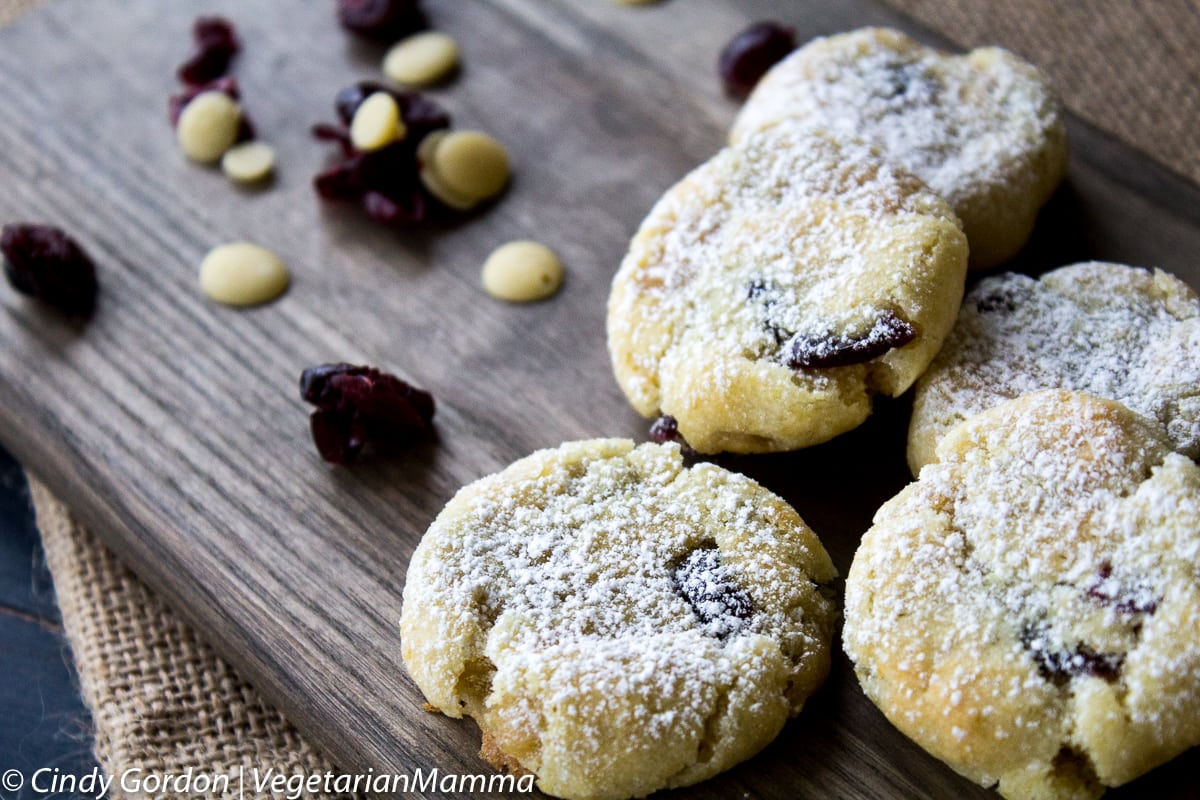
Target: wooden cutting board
[{"x": 174, "y": 427}]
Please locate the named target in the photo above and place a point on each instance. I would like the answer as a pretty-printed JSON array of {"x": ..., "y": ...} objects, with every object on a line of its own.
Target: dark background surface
[{"x": 43, "y": 723}]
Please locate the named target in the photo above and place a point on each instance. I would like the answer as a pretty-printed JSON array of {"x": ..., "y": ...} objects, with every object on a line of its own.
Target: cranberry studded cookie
[
  {"x": 1119, "y": 332},
  {"x": 615, "y": 622},
  {"x": 982, "y": 129},
  {"x": 773, "y": 291},
  {"x": 1028, "y": 611}
]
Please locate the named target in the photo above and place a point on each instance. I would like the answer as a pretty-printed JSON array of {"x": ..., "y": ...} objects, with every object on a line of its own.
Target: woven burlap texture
[
  {"x": 162, "y": 701},
  {"x": 1130, "y": 68}
]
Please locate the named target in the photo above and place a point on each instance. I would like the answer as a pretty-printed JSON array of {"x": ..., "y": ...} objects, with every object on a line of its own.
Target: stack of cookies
[
  {"x": 1028, "y": 610},
  {"x": 820, "y": 259}
]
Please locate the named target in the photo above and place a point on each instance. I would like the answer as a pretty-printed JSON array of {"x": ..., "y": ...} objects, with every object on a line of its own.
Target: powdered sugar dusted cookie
[
  {"x": 617, "y": 623},
  {"x": 1029, "y": 610},
  {"x": 1119, "y": 332},
  {"x": 982, "y": 129},
  {"x": 775, "y": 289}
]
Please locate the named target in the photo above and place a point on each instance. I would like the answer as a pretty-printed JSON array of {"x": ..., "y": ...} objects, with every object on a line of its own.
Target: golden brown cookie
[
  {"x": 773, "y": 291},
  {"x": 1124, "y": 333},
  {"x": 615, "y": 622},
  {"x": 1028, "y": 611},
  {"x": 982, "y": 129}
]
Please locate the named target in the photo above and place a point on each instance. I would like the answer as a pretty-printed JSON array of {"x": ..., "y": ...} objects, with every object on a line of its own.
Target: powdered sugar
[
  {"x": 790, "y": 237},
  {"x": 1110, "y": 330},
  {"x": 606, "y": 586},
  {"x": 1049, "y": 549},
  {"x": 968, "y": 126}
]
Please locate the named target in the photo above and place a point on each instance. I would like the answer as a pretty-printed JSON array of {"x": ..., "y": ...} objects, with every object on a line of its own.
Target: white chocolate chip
[
  {"x": 242, "y": 274},
  {"x": 376, "y": 123},
  {"x": 522, "y": 271},
  {"x": 429, "y": 177},
  {"x": 208, "y": 126},
  {"x": 421, "y": 59},
  {"x": 470, "y": 164},
  {"x": 248, "y": 162}
]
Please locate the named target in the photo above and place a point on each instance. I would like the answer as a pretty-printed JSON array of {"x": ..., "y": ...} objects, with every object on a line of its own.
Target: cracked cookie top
[
  {"x": 774, "y": 290},
  {"x": 1029, "y": 610},
  {"x": 615, "y": 622},
  {"x": 1124, "y": 333},
  {"x": 982, "y": 129}
]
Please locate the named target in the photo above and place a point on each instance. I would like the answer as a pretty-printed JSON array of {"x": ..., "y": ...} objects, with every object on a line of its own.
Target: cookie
[
  {"x": 615, "y": 622},
  {"x": 773, "y": 291},
  {"x": 1119, "y": 332},
  {"x": 1028, "y": 611},
  {"x": 983, "y": 129}
]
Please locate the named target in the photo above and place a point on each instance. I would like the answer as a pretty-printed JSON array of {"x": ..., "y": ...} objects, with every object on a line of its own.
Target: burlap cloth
[{"x": 163, "y": 701}]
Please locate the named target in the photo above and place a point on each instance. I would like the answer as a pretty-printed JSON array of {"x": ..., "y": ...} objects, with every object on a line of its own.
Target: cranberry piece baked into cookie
[
  {"x": 773, "y": 291},
  {"x": 1124, "y": 333},
  {"x": 1028, "y": 611},
  {"x": 615, "y": 622},
  {"x": 982, "y": 129}
]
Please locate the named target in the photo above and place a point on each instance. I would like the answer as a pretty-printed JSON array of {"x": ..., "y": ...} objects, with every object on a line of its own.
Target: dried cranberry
[
  {"x": 420, "y": 114},
  {"x": 756, "y": 288},
  {"x": 323, "y": 131},
  {"x": 1125, "y": 598},
  {"x": 751, "y": 53},
  {"x": 710, "y": 590},
  {"x": 342, "y": 181},
  {"x": 407, "y": 210},
  {"x": 1059, "y": 664},
  {"x": 177, "y": 102},
  {"x": 359, "y": 407},
  {"x": 386, "y": 183},
  {"x": 43, "y": 262},
  {"x": 822, "y": 352},
  {"x": 664, "y": 429},
  {"x": 385, "y": 20},
  {"x": 767, "y": 297},
  {"x": 216, "y": 44},
  {"x": 349, "y": 99}
]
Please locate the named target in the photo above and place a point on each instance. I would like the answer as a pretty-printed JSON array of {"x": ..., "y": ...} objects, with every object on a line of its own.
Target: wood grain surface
[{"x": 174, "y": 427}]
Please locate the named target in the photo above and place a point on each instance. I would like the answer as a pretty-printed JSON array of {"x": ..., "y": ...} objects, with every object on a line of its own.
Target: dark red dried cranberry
[
  {"x": 177, "y": 102},
  {"x": 420, "y": 114},
  {"x": 407, "y": 210},
  {"x": 359, "y": 407},
  {"x": 385, "y": 20},
  {"x": 349, "y": 99},
  {"x": 216, "y": 44},
  {"x": 1125, "y": 598},
  {"x": 751, "y": 53},
  {"x": 342, "y": 181},
  {"x": 756, "y": 288},
  {"x": 710, "y": 590},
  {"x": 1059, "y": 664},
  {"x": 664, "y": 429},
  {"x": 43, "y": 262},
  {"x": 386, "y": 183},
  {"x": 822, "y": 352},
  {"x": 995, "y": 300},
  {"x": 767, "y": 297}
]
